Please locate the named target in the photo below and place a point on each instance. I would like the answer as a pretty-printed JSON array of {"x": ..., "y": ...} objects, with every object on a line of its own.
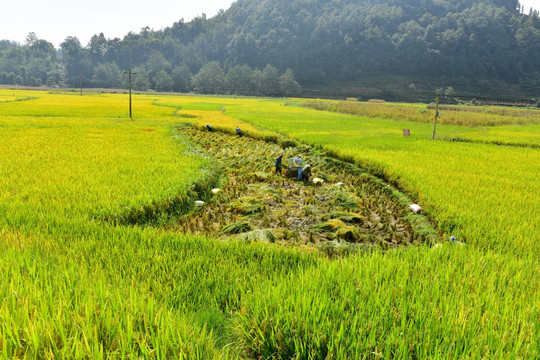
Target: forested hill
[
  {"x": 249, "y": 47},
  {"x": 343, "y": 39}
]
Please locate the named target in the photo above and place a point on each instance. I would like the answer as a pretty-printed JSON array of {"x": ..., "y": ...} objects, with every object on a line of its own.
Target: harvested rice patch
[{"x": 350, "y": 208}]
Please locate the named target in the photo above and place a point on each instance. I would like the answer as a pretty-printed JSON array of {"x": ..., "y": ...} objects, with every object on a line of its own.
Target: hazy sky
[
  {"x": 535, "y": 4},
  {"x": 54, "y": 20}
]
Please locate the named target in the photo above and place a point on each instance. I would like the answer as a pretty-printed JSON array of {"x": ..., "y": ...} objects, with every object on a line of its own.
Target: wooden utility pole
[
  {"x": 436, "y": 113},
  {"x": 80, "y": 83},
  {"x": 130, "y": 73}
]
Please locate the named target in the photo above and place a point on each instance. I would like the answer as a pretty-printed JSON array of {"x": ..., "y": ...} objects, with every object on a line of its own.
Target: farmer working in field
[
  {"x": 305, "y": 173},
  {"x": 238, "y": 131},
  {"x": 209, "y": 128},
  {"x": 278, "y": 164}
]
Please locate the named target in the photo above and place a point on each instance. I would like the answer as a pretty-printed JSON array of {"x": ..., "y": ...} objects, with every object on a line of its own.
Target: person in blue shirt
[
  {"x": 209, "y": 128},
  {"x": 278, "y": 164},
  {"x": 238, "y": 131}
]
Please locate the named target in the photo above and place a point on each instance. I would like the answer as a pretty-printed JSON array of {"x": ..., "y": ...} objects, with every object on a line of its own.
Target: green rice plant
[
  {"x": 453, "y": 115},
  {"x": 357, "y": 309},
  {"x": 76, "y": 286}
]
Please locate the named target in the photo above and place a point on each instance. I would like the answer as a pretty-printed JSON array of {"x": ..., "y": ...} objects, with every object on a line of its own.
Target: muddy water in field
[{"x": 349, "y": 209}]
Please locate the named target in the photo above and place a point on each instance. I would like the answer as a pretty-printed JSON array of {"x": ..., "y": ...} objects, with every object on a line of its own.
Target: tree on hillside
[
  {"x": 210, "y": 79},
  {"x": 37, "y": 69},
  {"x": 288, "y": 84},
  {"x": 164, "y": 81},
  {"x": 97, "y": 47},
  {"x": 157, "y": 63},
  {"x": 238, "y": 80},
  {"x": 31, "y": 39},
  {"x": 257, "y": 82},
  {"x": 270, "y": 80},
  {"x": 75, "y": 59},
  {"x": 182, "y": 78},
  {"x": 140, "y": 80},
  {"x": 107, "y": 75},
  {"x": 7, "y": 78}
]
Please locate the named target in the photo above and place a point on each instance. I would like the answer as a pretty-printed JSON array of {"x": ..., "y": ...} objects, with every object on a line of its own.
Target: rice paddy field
[{"x": 96, "y": 261}]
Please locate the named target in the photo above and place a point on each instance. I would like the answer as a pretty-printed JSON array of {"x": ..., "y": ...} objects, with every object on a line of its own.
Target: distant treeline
[{"x": 271, "y": 47}]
